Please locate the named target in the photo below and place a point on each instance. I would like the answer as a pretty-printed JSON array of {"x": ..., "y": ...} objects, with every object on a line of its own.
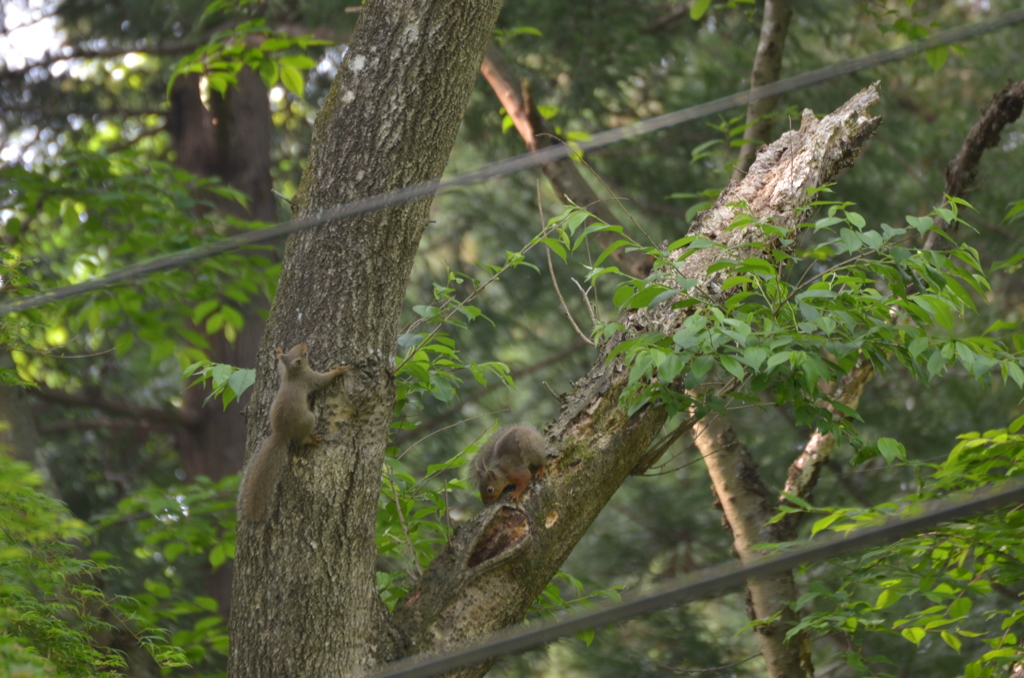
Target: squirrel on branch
[
  {"x": 509, "y": 458},
  {"x": 291, "y": 420}
]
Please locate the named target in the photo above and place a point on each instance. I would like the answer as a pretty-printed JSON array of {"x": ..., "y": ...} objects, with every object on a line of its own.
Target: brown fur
[
  {"x": 291, "y": 420},
  {"x": 506, "y": 459}
]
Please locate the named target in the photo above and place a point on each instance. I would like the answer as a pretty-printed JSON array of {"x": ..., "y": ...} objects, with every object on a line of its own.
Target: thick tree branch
[
  {"x": 1004, "y": 109},
  {"x": 565, "y": 178},
  {"x": 766, "y": 69},
  {"x": 496, "y": 565}
]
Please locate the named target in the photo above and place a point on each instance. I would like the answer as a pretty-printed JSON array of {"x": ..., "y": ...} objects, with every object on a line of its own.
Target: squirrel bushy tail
[{"x": 261, "y": 477}]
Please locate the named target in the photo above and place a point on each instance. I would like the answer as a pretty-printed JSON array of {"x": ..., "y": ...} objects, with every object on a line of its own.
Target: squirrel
[
  {"x": 506, "y": 459},
  {"x": 291, "y": 420}
]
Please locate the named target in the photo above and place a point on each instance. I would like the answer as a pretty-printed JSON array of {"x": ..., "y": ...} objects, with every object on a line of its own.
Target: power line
[
  {"x": 701, "y": 584},
  {"x": 515, "y": 164}
]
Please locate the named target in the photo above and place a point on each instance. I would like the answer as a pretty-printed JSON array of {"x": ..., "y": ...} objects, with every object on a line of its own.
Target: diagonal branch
[
  {"x": 497, "y": 564},
  {"x": 1003, "y": 109},
  {"x": 565, "y": 178}
]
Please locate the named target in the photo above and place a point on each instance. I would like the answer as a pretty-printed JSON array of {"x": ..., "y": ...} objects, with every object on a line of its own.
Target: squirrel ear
[
  {"x": 278, "y": 351},
  {"x": 492, "y": 475}
]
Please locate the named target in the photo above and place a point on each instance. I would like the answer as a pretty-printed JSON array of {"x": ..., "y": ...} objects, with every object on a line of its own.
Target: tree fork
[{"x": 497, "y": 564}]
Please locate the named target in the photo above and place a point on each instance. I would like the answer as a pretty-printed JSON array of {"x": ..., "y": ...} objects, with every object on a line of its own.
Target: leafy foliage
[
  {"x": 945, "y": 584},
  {"x": 178, "y": 528},
  {"x": 90, "y": 213},
  {"x": 52, "y": 602}
]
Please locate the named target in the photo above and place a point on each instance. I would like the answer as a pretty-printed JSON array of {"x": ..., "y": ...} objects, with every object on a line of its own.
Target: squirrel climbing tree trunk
[{"x": 305, "y": 600}]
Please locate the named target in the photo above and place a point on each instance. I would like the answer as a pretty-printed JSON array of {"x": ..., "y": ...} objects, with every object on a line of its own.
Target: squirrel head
[
  {"x": 295, "y": 358},
  {"x": 490, "y": 488}
]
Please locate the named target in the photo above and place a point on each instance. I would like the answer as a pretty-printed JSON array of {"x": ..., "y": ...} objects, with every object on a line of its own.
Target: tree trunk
[
  {"x": 305, "y": 600},
  {"x": 766, "y": 69},
  {"x": 748, "y": 505},
  {"x": 230, "y": 140}
]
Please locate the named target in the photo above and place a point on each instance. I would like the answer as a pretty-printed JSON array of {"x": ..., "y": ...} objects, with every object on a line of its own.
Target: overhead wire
[
  {"x": 704, "y": 583},
  {"x": 513, "y": 165}
]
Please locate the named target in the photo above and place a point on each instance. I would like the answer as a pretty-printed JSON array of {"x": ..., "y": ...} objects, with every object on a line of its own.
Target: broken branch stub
[{"x": 498, "y": 563}]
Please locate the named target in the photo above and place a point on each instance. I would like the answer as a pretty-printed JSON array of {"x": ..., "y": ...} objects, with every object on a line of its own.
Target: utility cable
[
  {"x": 705, "y": 582},
  {"x": 515, "y": 164}
]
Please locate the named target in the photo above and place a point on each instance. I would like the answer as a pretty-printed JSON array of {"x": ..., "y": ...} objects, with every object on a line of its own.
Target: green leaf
[
  {"x": 698, "y": 9},
  {"x": 823, "y": 523},
  {"x": 937, "y": 56},
  {"x": 218, "y": 556},
  {"x": 732, "y": 366},
  {"x": 204, "y": 309},
  {"x": 951, "y": 640},
  {"x": 922, "y": 224},
  {"x": 891, "y": 450},
  {"x": 886, "y": 598},
  {"x": 960, "y": 607},
  {"x": 914, "y": 634},
  {"x": 205, "y": 602},
  {"x": 850, "y": 240},
  {"x": 917, "y": 346},
  {"x": 300, "y": 61},
  {"x": 158, "y": 589},
  {"x": 292, "y": 79},
  {"x": 268, "y": 72},
  {"x": 241, "y": 380},
  {"x": 701, "y": 366}
]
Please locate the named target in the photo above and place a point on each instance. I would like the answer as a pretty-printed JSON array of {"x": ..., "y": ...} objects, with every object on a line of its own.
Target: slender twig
[
  {"x": 434, "y": 433},
  {"x": 586, "y": 300},
  {"x": 554, "y": 281},
  {"x": 565, "y": 308}
]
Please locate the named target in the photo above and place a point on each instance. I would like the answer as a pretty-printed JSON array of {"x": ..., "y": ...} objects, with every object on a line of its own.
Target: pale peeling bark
[
  {"x": 804, "y": 471},
  {"x": 499, "y": 562},
  {"x": 305, "y": 601},
  {"x": 766, "y": 69},
  {"x": 748, "y": 505},
  {"x": 564, "y": 176}
]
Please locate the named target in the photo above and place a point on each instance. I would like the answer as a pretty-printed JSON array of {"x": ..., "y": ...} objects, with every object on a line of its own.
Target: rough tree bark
[
  {"x": 305, "y": 601},
  {"x": 766, "y": 69}
]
